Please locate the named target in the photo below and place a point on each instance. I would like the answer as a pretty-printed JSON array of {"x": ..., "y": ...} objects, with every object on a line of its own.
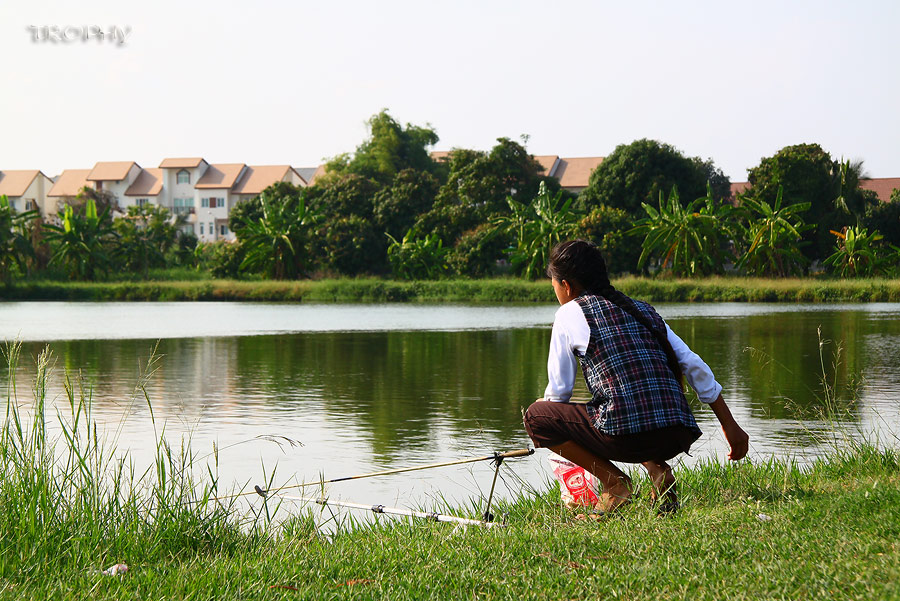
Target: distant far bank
[{"x": 502, "y": 290}]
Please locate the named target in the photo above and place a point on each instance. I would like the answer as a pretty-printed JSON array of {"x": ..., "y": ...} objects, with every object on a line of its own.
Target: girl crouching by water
[{"x": 634, "y": 367}]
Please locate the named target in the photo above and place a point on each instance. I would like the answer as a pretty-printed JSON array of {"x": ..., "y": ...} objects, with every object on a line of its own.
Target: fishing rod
[
  {"x": 495, "y": 457},
  {"x": 428, "y": 515},
  {"x": 487, "y": 516}
]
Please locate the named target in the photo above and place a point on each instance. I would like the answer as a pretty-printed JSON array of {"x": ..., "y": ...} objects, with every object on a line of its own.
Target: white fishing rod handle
[{"x": 516, "y": 453}]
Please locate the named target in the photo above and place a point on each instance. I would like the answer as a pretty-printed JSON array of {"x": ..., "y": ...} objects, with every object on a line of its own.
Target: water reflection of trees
[
  {"x": 406, "y": 389},
  {"x": 401, "y": 387}
]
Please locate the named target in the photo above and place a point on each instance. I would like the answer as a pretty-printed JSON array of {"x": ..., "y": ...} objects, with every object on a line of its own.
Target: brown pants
[{"x": 551, "y": 424}]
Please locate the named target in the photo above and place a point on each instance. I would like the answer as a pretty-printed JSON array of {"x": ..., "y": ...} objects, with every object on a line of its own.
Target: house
[
  {"x": 882, "y": 186},
  {"x": 115, "y": 177},
  {"x": 27, "y": 190},
  {"x": 213, "y": 200},
  {"x": 66, "y": 187},
  {"x": 573, "y": 173}
]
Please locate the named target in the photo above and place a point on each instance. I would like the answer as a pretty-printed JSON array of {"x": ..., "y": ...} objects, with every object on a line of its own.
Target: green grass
[
  {"x": 69, "y": 509},
  {"x": 500, "y": 290}
]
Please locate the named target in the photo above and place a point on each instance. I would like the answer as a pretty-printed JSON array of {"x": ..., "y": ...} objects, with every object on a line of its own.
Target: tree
[
  {"x": 608, "y": 228},
  {"x": 808, "y": 174},
  {"x": 688, "y": 240},
  {"x": 417, "y": 258},
  {"x": 351, "y": 246},
  {"x": 389, "y": 149},
  {"x": 15, "y": 243},
  {"x": 772, "y": 236},
  {"x": 477, "y": 188},
  {"x": 344, "y": 196},
  {"x": 145, "y": 236},
  {"x": 83, "y": 244},
  {"x": 536, "y": 227},
  {"x": 411, "y": 194},
  {"x": 638, "y": 172},
  {"x": 885, "y": 217},
  {"x": 478, "y": 250},
  {"x": 857, "y": 253},
  {"x": 277, "y": 244}
]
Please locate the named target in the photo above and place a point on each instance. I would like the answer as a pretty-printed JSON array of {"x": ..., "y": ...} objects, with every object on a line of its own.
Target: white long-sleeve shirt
[{"x": 571, "y": 333}]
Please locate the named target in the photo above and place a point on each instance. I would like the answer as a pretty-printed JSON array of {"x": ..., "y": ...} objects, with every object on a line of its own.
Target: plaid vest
[{"x": 627, "y": 372}]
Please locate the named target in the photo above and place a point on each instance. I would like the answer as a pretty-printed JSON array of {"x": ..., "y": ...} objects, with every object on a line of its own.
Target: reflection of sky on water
[{"x": 371, "y": 387}]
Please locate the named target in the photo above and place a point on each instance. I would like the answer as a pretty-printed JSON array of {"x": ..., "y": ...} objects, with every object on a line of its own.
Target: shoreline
[{"x": 714, "y": 289}]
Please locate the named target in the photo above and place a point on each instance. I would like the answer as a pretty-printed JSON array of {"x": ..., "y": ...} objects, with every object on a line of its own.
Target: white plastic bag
[{"x": 577, "y": 486}]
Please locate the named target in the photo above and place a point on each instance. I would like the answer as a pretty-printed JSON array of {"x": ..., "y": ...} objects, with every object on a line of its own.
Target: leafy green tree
[
  {"x": 885, "y": 217},
  {"x": 477, "y": 188},
  {"x": 417, "y": 258},
  {"x": 344, "y": 196},
  {"x": 536, "y": 227},
  {"x": 608, "y": 228},
  {"x": 15, "y": 243},
  {"x": 808, "y": 174},
  {"x": 83, "y": 244},
  {"x": 222, "y": 259},
  {"x": 689, "y": 240},
  {"x": 858, "y": 253},
  {"x": 636, "y": 173},
  {"x": 277, "y": 244},
  {"x": 145, "y": 235},
  {"x": 478, "y": 251},
  {"x": 772, "y": 237},
  {"x": 389, "y": 149},
  {"x": 351, "y": 246},
  {"x": 397, "y": 206}
]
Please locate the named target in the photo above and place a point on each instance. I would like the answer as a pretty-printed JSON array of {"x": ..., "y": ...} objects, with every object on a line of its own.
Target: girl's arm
[{"x": 737, "y": 439}]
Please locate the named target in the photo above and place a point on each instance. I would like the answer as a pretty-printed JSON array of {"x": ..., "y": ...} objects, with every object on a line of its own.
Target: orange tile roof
[
  {"x": 320, "y": 171},
  {"x": 147, "y": 183},
  {"x": 257, "y": 178},
  {"x": 882, "y": 186},
  {"x": 738, "y": 187},
  {"x": 70, "y": 182},
  {"x": 440, "y": 156},
  {"x": 548, "y": 162},
  {"x": 182, "y": 163},
  {"x": 110, "y": 171},
  {"x": 15, "y": 182},
  {"x": 220, "y": 175},
  {"x": 575, "y": 172}
]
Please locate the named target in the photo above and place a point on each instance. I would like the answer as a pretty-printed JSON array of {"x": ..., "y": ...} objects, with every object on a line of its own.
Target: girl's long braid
[{"x": 581, "y": 261}]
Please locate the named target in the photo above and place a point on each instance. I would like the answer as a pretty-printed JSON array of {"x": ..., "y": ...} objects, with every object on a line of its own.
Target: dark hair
[{"x": 580, "y": 263}]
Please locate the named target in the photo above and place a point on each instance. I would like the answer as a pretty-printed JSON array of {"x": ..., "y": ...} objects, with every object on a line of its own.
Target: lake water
[{"x": 336, "y": 390}]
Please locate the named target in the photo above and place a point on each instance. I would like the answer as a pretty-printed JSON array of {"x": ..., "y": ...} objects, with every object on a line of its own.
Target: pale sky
[{"x": 294, "y": 82}]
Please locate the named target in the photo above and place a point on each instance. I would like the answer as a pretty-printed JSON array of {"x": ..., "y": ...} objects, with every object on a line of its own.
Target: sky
[{"x": 271, "y": 82}]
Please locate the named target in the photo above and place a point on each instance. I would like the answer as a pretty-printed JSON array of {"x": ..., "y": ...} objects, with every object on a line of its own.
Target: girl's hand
[{"x": 737, "y": 439}]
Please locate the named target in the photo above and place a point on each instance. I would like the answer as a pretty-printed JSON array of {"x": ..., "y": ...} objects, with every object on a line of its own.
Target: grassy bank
[
  {"x": 716, "y": 289},
  {"x": 746, "y": 531}
]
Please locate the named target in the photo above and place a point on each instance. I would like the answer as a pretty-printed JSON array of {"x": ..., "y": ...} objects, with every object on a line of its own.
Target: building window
[
  {"x": 29, "y": 205},
  {"x": 183, "y": 177},
  {"x": 183, "y": 206},
  {"x": 223, "y": 230},
  {"x": 201, "y": 229},
  {"x": 204, "y": 203},
  {"x": 142, "y": 202},
  {"x": 212, "y": 230}
]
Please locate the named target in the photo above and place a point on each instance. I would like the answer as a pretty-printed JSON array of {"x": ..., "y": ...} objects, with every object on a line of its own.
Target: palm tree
[
  {"x": 536, "y": 228},
  {"x": 277, "y": 243},
  {"x": 857, "y": 254},
  {"x": 15, "y": 243},
  {"x": 772, "y": 236},
  {"x": 690, "y": 240},
  {"x": 82, "y": 244}
]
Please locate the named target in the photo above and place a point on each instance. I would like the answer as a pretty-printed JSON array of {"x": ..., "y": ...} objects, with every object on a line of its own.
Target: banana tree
[
  {"x": 536, "y": 227},
  {"x": 15, "y": 243},
  {"x": 689, "y": 240},
  {"x": 771, "y": 235},
  {"x": 83, "y": 243}
]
